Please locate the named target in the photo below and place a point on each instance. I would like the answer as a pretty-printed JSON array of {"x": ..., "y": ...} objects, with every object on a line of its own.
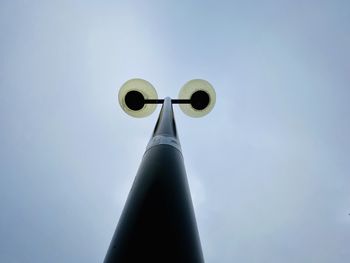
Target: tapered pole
[{"x": 158, "y": 222}]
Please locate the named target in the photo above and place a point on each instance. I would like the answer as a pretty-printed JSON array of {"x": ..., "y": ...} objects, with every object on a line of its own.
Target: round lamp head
[
  {"x": 202, "y": 96},
  {"x": 132, "y": 96}
]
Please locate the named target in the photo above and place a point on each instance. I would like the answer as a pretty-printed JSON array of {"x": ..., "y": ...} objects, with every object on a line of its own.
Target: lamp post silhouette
[{"x": 158, "y": 222}]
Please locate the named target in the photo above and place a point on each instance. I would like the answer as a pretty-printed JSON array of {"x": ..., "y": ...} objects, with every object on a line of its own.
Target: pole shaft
[{"x": 158, "y": 222}]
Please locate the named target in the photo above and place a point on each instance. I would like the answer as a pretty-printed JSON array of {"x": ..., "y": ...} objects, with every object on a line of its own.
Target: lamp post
[{"x": 158, "y": 222}]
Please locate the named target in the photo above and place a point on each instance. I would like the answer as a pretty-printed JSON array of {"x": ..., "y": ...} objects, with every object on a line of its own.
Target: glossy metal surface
[{"x": 158, "y": 222}]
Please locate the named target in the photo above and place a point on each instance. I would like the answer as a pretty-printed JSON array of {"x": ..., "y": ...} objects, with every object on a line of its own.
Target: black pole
[{"x": 158, "y": 222}]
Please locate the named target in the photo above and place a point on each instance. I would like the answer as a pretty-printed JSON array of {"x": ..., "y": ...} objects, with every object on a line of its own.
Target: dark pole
[{"x": 158, "y": 222}]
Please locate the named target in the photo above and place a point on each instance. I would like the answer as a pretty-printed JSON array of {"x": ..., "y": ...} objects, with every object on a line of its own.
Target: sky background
[{"x": 268, "y": 168}]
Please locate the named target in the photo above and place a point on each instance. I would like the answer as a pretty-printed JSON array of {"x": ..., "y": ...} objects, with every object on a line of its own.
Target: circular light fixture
[
  {"x": 201, "y": 95},
  {"x": 132, "y": 96}
]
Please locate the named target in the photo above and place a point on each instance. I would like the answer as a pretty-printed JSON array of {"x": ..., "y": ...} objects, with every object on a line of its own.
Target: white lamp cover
[
  {"x": 191, "y": 87},
  {"x": 146, "y": 89}
]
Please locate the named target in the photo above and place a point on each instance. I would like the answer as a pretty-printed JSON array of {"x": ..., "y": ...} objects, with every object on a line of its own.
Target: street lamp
[{"x": 158, "y": 222}]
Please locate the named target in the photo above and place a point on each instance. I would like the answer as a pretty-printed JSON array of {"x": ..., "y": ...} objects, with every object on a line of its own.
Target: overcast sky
[{"x": 269, "y": 167}]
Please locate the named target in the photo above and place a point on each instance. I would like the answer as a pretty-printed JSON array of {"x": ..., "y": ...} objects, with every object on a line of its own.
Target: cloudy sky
[{"x": 269, "y": 167}]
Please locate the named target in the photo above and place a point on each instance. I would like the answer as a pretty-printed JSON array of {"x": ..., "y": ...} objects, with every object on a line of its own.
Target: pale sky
[{"x": 269, "y": 167}]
